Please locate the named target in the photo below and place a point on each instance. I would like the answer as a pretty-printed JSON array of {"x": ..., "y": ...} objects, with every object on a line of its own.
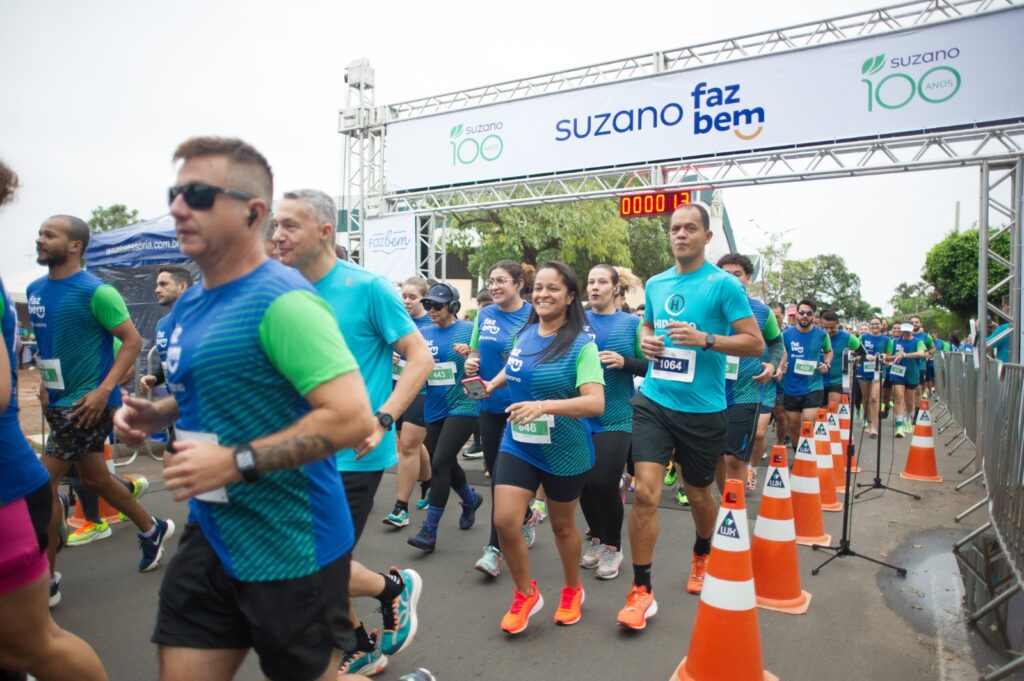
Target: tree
[
  {"x": 579, "y": 234},
  {"x": 951, "y": 266},
  {"x": 648, "y": 246},
  {"x": 920, "y": 299},
  {"x": 772, "y": 257},
  {"x": 825, "y": 280},
  {"x": 112, "y": 217}
]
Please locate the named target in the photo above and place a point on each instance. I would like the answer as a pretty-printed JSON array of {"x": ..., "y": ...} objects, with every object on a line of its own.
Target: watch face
[{"x": 245, "y": 460}]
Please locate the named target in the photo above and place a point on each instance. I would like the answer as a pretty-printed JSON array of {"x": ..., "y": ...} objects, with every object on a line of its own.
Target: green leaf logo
[
  {"x": 456, "y": 131},
  {"x": 873, "y": 65}
]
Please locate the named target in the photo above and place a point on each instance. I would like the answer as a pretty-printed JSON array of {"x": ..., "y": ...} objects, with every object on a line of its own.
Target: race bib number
[
  {"x": 732, "y": 368},
  {"x": 869, "y": 367},
  {"x": 898, "y": 370},
  {"x": 805, "y": 367},
  {"x": 214, "y": 496},
  {"x": 397, "y": 369},
  {"x": 50, "y": 374},
  {"x": 443, "y": 373},
  {"x": 675, "y": 364},
  {"x": 537, "y": 432}
]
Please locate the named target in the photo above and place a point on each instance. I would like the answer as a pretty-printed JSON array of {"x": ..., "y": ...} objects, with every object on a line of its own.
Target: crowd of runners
[{"x": 291, "y": 379}]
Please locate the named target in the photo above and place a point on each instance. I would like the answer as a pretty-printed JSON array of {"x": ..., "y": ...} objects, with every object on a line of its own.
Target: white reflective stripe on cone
[
  {"x": 802, "y": 485},
  {"x": 837, "y": 448},
  {"x": 780, "y": 489},
  {"x": 732, "y": 532},
  {"x": 922, "y": 441},
  {"x": 775, "y": 530},
  {"x": 824, "y": 461},
  {"x": 726, "y": 595}
]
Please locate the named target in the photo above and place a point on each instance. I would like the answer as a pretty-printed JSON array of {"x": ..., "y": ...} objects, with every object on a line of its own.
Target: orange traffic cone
[
  {"x": 810, "y": 527},
  {"x": 727, "y": 611},
  {"x": 823, "y": 450},
  {"x": 845, "y": 425},
  {"x": 921, "y": 459},
  {"x": 836, "y": 448},
  {"x": 776, "y": 568},
  {"x": 107, "y": 512}
]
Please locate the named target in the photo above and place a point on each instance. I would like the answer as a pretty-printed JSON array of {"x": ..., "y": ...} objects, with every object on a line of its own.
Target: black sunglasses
[
  {"x": 429, "y": 305},
  {"x": 806, "y": 313},
  {"x": 199, "y": 196}
]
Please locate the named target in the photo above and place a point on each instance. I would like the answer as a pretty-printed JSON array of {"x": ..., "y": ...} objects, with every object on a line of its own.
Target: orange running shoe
[
  {"x": 640, "y": 606},
  {"x": 698, "y": 568},
  {"x": 570, "y": 608},
  {"x": 523, "y": 607}
]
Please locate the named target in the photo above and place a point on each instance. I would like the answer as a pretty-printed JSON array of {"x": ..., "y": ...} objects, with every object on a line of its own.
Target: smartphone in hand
[{"x": 475, "y": 388}]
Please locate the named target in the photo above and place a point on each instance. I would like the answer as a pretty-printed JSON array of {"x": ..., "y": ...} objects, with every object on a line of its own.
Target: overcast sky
[{"x": 96, "y": 95}]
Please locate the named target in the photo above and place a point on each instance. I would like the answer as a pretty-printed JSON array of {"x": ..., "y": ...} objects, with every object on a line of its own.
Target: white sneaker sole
[
  {"x": 651, "y": 612},
  {"x": 95, "y": 537},
  {"x": 163, "y": 542}
]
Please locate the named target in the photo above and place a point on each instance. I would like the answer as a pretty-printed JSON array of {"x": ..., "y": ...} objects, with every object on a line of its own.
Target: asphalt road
[{"x": 864, "y": 621}]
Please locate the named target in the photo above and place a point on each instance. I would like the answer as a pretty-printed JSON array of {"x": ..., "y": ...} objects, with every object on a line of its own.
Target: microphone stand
[{"x": 843, "y": 549}]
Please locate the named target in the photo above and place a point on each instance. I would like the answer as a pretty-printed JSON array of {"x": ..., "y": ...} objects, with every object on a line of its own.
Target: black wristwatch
[
  {"x": 245, "y": 462},
  {"x": 709, "y": 341},
  {"x": 385, "y": 419}
]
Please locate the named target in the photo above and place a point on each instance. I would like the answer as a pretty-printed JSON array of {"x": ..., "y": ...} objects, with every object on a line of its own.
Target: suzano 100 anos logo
[
  {"x": 902, "y": 83},
  {"x": 473, "y": 143}
]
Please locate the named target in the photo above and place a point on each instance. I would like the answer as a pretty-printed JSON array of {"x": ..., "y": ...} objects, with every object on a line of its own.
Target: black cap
[{"x": 442, "y": 293}]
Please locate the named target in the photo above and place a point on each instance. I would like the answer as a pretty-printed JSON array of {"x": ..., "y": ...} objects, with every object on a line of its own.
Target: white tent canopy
[{"x": 16, "y": 284}]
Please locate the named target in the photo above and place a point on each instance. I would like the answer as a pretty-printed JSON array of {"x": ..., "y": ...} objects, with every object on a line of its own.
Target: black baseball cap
[{"x": 442, "y": 294}]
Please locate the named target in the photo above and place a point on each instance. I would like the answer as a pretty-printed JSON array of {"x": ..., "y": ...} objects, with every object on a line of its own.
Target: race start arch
[{"x": 917, "y": 86}]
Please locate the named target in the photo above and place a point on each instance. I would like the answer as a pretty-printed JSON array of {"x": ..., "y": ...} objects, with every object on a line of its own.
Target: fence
[{"x": 990, "y": 586}]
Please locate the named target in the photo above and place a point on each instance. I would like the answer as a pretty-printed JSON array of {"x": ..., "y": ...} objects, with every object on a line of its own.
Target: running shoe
[
  {"x": 490, "y": 562},
  {"x": 424, "y": 501},
  {"x": 365, "y": 662},
  {"x": 473, "y": 453},
  {"x": 420, "y": 674},
  {"x": 592, "y": 554},
  {"x": 523, "y": 608},
  {"x": 866, "y": 424},
  {"x": 399, "y": 615},
  {"x": 90, "y": 532},
  {"x": 153, "y": 547},
  {"x": 424, "y": 540},
  {"x": 399, "y": 517},
  {"x": 671, "y": 477},
  {"x": 55, "y": 589},
  {"x": 540, "y": 509},
  {"x": 640, "y": 607},
  {"x": 681, "y": 498},
  {"x": 608, "y": 568},
  {"x": 468, "y": 516},
  {"x": 900, "y": 432},
  {"x": 139, "y": 487},
  {"x": 530, "y": 528},
  {"x": 698, "y": 568},
  {"x": 570, "y": 607},
  {"x": 751, "y": 478}
]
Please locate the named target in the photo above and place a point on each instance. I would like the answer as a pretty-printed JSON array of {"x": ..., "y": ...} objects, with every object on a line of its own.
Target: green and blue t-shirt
[
  {"x": 372, "y": 318},
  {"x": 240, "y": 358},
  {"x": 445, "y": 396},
  {"x": 841, "y": 342},
  {"x": 618, "y": 332},
  {"x": 560, "y": 445},
  {"x": 873, "y": 346},
  {"x": 740, "y": 386},
  {"x": 22, "y": 472},
  {"x": 72, "y": 318},
  {"x": 912, "y": 367},
  {"x": 493, "y": 333},
  {"x": 691, "y": 379},
  {"x": 804, "y": 350}
]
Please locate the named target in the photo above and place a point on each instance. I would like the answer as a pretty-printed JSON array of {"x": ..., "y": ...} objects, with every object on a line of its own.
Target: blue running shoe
[
  {"x": 399, "y": 615},
  {"x": 153, "y": 547},
  {"x": 365, "y": 662},
  {"x": 397, "y": 518},
  {"x": 468, "y": 516},
  {"x": 425, "y": 539},
  {"x": 424, "y": 502}
]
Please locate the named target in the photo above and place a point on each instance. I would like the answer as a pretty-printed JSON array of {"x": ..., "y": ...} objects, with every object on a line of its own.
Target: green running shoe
[
  {"x": 681, "y": 497},
  {"x": 672, "y": 477}
]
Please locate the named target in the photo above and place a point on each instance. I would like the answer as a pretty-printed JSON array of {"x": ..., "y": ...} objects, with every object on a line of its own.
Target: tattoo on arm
[{"x": 292, "y": 452}]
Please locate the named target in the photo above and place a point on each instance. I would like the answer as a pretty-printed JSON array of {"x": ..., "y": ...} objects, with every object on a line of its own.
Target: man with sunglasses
[
  {"x": 376, "y": 324},
  {"x": 263, "y": 392},
  {"x": 809, "y": 358}
]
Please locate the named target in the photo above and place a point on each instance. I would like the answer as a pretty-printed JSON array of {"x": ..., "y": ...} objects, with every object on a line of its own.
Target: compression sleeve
[{"x": 474, "y": 340}]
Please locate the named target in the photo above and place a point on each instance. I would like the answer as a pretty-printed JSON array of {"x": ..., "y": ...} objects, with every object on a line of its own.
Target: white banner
[
  {"x": 389, "y": 246},
  {"x": 952, "y": 74}
]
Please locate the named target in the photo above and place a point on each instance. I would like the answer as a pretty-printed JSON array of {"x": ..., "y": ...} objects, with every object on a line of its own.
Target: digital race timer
[{"x": 652, "y": 203}]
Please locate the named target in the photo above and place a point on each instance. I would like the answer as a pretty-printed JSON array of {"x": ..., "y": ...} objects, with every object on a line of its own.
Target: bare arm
[
  {"x": 589, "y": 403},
  {"x": 124, "y": 363},
  {"x": 5, "y": 380}
]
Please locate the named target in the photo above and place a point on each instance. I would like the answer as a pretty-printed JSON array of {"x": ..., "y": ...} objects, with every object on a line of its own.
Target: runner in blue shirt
[
  {"x": 808, "y": 359},
  {"x": 616, "y": 334},
  {"x": 374, "y": 328},
  {"x": 929, "y": 347},
  {"x": 869, "y": 373},
  {"x": 841, "y": 342},
  {"x": 555, "y": 382},
  {"x": 171, "y": 282},
  {"x": 450, "y": 415},
  {"x": 493, "y": 332},
  {"x": 264, "y": 391},
  {"x": 905, "y": 373},
  {"x": 680, "y": 411},
  {"x": 27, "y": 631}
]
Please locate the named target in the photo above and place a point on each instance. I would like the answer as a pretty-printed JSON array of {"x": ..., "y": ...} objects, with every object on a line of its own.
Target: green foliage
[
  {"x": 825, "y": 280},
  {"x": 648, "y": 246},
  {"x": 580, "y": 234},
  {"x": 920, "y": 299},
  {"x": 112, "y": 217},
  {"x": 951, "y": 267}
]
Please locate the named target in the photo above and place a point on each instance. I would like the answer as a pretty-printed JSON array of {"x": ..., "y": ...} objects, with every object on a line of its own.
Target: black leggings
[
  {"x": 445, "y": 439},
  {"x": 600, "y": 501},
  {"x": 492, "y": 429}
]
